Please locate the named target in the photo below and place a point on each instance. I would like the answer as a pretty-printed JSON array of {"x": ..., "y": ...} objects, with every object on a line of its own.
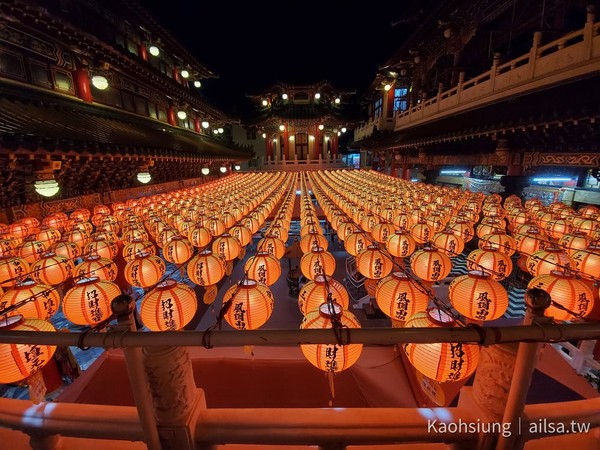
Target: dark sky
[{"x": 252, "y": 44}]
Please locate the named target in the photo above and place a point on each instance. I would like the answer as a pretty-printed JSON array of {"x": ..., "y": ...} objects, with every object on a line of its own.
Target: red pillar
[
  {"x": 197, "y": 125},
  {"x": 286, "y": 144},
  {"x": 404, "y": 170},
  {"x": 143, "y": 52},
  {"x": 334, "y": 145},
  {"x": 393, "y": 167},
  {"x": 390, "y": 101},
  {"x": 171, "y": 116},
  {"x": 176, "y": 74},
  {"x": 269, "y": 147},
  {"x": 82, "y": 80},
  {"x": 316, "y": 147}
]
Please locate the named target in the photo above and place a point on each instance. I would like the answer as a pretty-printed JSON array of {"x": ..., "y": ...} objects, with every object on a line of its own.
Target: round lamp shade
[
  {"x": 19, "y": 361},
  {"x": 499, "y": 240},
  {"x": 430, "y": 264},
  {"x": 382, "y": 231},
  {"x": 178, "y": 250},
  {"x": 206, "y": 269},
  {"x": 373, "y": 263},
  {"x": 574, "y": 242},
  {"x": 242, "y": 234},
  {"x": 165, "y": 236},
  {"x": 136, "y": 247},
  {"x": 12, "y": 270},
  {"x": 463, "y": 228},
  {"x": 564, "y": 289},
  {"x": 199, "y": 236},
  {"x": 497, "y": 264},
  {"x": 421, "y": 232},
  {"x": 449, "y": 243},
  {"x": 313, "y": 239},
  {"x": 263, "y": 267},
  {"x": 330, "y": 357},
  {"x": 356, "y": 242},
  {"x": 145, "y": 270},
  {"x": 587, "y": 262},
  {"x": 478, "y": 296},
  {"x": 399, "y": 297},
  {"x": 31, "y": 250},
  {"x": 52, "y": 269},
  {"x": 547, "y": 260},
  {"x": 530, "y": 241},
  {"x": 7, "y": 247},
  {"x": 314, "y": 293},
  {"x": 96, "y": 266},
  {"x": 101, "y": 247},
  {"x": 42, "y": 303},
  {"x": 251, "y": 305},
  {"x": 317, "y": 262},
  {"x": 216, "y": 226},
  {"x": 273, "y": 245},
  {"x": 169, "y": 306},
  {"x": 48, "y": 235},
  {"x": 403, "y": 221},
  {"x": 401, "y": 244},
  {"x": 226, "y": 247},
  {"x": 88, "y": 302},
  {"x": 443, "y": 362}
]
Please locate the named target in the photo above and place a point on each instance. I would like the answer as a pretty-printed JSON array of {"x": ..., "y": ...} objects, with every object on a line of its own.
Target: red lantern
[
  {"x": 137, "y": 246},
  {"x": 98, "y": 267},
  {"x": 313, "y": 239},
  {"x": 169, "y": 306},
  {"x": 316, "y": 292},
  {"x": 263, "y": 267},
  {"x": 317, "y": 262},
  {"x": 497, "y": 264},
  {"x": 330, "y": 357},
  {"x": 227, "y": 247},
  {"x": 273, "y": 245},
  {"x": 498, "y": 239},
  {"x": 178, "y": 250},
  {"x": 145, "y": 270},
  {"x": 401, "y": 244},
  {"x": 449, "y": 243},
  {"x": 251, "y": 305},
  {"x": 52, "y": 269},
  {"x": 399, "y": 297},
  {"x": 206, "y": 269},
  {"x": 12, "y": 270},
  {"x": 547, "y": 260},
  {"x": 430, "y": 264},
  {"x": 373, "y": 263},
  {"x": 19, "y": 361},
  {"x": 356, "y": 242},
  {"x": 102, "y": 247},
  {"x": 43, "y": 300},
  {"x": 478, "y": 296},
  {"x": 67, "y": 249},
  {"x": 567, "y": 291},
  {"x": 88, "y": 302}
]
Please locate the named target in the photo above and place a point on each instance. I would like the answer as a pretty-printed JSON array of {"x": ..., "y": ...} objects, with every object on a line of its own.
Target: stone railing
[
  {"x": 571, "y": 56},
  {"x": 293, "y": 165}
]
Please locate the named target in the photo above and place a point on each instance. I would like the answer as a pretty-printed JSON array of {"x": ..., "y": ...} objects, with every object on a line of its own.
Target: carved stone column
[{"x": 175, "y": 398}]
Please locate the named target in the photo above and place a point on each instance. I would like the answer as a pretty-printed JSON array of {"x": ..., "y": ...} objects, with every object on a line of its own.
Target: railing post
[
  {"x": 533, "y": 53},
  {"x": 588, "y": 32},
  {"x": 494, "y": 71},
  {"x": 123, "y": 306},
  {"x": 536, "y": 301},
  {"x": 439, "y": 95},
  {"x": 461, "y": 80}
]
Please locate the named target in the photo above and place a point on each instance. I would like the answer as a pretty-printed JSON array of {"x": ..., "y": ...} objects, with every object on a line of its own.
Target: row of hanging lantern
[
  {"x": 323, "y": 301},
  {"x": 406, "y": 301},
  {"x": 250, "y": 300},
  {"x": 88, "y": 301}
]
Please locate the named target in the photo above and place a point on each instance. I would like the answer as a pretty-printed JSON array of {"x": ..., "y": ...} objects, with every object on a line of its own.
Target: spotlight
[
  {"x": 47, "y": 188},
  {"x": 99, "y": 82},
  {"x": 185, "y": 73},
  {"x": 154, "y": 51},
  {"x": 284, "y": 96},
  {"x": 182, "y": 115},
  {"x": 223, "y": 169},
  {"x": 144, "y": 177},
  {"x": 205, "y": 124},
  {"x": 197, "y": 84},
  {"x": 205, "y": 171},
  {"x": 237, "y": 167},
  {"x": 281, "y": 127}
]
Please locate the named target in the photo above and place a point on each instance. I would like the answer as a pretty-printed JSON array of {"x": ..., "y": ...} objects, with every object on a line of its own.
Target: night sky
[{"x": 252, "y": 45}]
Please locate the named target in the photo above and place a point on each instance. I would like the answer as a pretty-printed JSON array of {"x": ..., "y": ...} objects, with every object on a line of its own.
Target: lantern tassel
[{"x": 331, "y": 388}]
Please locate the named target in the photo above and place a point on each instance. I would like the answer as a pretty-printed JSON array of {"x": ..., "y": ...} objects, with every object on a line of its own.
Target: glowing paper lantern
[
  {"x": 102, "y": 247},
  {"x": 136, "y": 247},
  {"x": 7, "y": 247},
  {"x": 96, "y": 266},
  {"x": 199, "y": 236},
  {"x": 430, "y": 264},
  {"x": 241, "y": 233},
  {"x": 421, "y": 232},
  {"x": 227, "y": 247},
  {"x": 206, "y": 269},
  {"x": 497, "y": 264},
  {"x": 43, "y": 300},
  {"x": 251, "y": 305},
  {"x": 499, "y": 240},
  {"x": 356, "y": 242},
  {"x": 19, "y": 361},
  {"x": 477, "y": 296},
  {"x": 439, "y": 361},
  {"x": 574, "y": 242},
  {"x": 317, "y": 262},
  {"x": 169, "y": 306},
  {"x": 382, "y": 231},
  {"x": 314, "y": 293},
  {"x": 145, "y": 270},
  {"x": 330, "y": 357},
  {"x": 587, "y": 262},
  {"x": 263, "y": 267},
  {"x": 52, "y": 269},
  {"x": 12, "y": 270},
  {"x": 401, "y": 244},
  {"x": 531, "y": 241},
  {"x": 399, "y": 297},
  {"x": 31, "y": 250},
  {"x": 448, "y": 242},
  {"x": 463, "y": 228},
  {"x": 88, "y": 302},
  {"x": 273, "y": 245},
  {"x": 547, "y": 260},
  {"x": 217, "y": 227},
  {"x": 567, "y": 291},
  {"x": 165, "y": 236},
  {"x": 373, "y": 263},
  {"x": 313, "y": 239},
  {"x": 178, "y": 250}
]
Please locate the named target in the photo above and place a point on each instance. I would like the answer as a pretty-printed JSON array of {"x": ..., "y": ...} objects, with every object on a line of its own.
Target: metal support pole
[
  {"x": 123, "y": 306},
  {"x": 537, "y": 301}
]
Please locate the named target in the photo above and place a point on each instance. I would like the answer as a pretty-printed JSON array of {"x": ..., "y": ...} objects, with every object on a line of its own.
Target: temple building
[{"x": 411, "y": 266}]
